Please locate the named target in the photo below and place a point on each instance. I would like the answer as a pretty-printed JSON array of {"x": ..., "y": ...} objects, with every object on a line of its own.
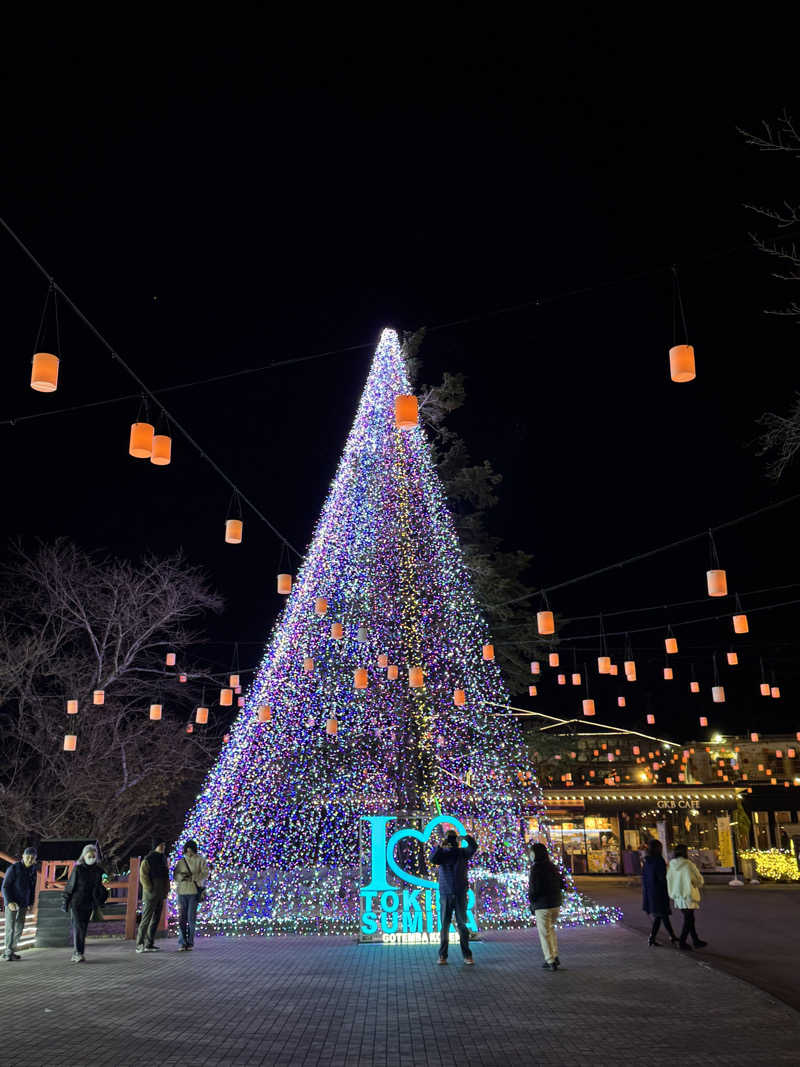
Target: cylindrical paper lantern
[
  {"x": 308, "y": 664},
  {"x": 604, "y": 664},
  {"x": 764, "y": 688},
  {"x": 44, "y": 372},
  {"x": 161, "y": 455},
  {"x": 234, "y": 680},
  {"x": 614, "y": 670},
  {"x": 621, "y": 702},
  {"x": 284, "y": 584},
  {"x": 536, "y": 667},
  {"x": 694, "y": 687},
  {"x": 532, "y": 690},
  {"x": 415, "y": 677},
  {"x": 576, "y": 678},
  {"x": 651, "y": 719},
  {"x": 681, "y": 363},
  {"x": 226, "y": 697},
  {"x": 406, "y": 412},
  {"x": 320, "y": 605},
  {"x": 733, "y": 659},
  {"x": 717, "y": 581},
  {"x": 360, "y": 678},
  {"x": 70, "y": 742},
  {"x": 171, "y": 659},
  {"x": 383, "y": 660},
  {"x": 264, "y": 713},
  {"x": 775, "y": 692},
  {"x": 552, "y": 659},
  {"x": 545, "y": 622},
  {"x": 459, "y": 698},
  {"x": 155, "y": 711},
  {"x": 703, "y": 720},
  {"x": 337, "y": 631},
  {"x": 671, "y": 645},
  {"x": 99, "y": 696},
  {"x": 488, "y": 651},
  {"x": 588, "y": 707},
  {"x": 201, "y": 716},
  {"x": 668, "y": 674},
  {"x": 233, "y": 531},
  {"x": 72, "y": 707},
  {"x": 630, "y": 671},
  {"x": 182, "y": 679},
  {"x": 331, "y": 727},
  {"x": 740, "y": 624},
  {"x": 141, "y": 442},
  {"x": 562, "y": 679},
  {"x": 718, "y": 694},
  {"x": 392, "y": 672}
]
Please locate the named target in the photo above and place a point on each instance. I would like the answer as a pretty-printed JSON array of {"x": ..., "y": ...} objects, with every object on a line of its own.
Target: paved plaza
[{"x": 329, "y": 1001}]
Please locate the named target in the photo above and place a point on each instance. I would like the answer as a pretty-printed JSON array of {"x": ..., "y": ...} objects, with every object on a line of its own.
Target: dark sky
[{"x": 218, "y": 197}]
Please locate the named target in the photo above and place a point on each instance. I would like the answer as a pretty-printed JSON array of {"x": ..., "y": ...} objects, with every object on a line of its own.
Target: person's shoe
[
  {"x": 557, "y": 961},
  {"x": 469, "y": 961},
  {"x": 700, "y": 944},
  {"x": 674, "y": 941},
  {"x": 140, "y": 948},
  {"x": 81, "y": 958},
  {"x": 651, "y": 941},
  {"x": 684, "y": 948},
  {"x": 555, "y": 964},
  {"x": 545, "y": 966},
  {"x": 152, "y": 948},
  {"x": 182, "y": 948},
  {"x": 189, "y": 948},
  {"x": 74, "y": 958},
  {"x": 6, "y": 959},
  {"x": 442, "y": 961},
  {"x": 14, "y": 955}
]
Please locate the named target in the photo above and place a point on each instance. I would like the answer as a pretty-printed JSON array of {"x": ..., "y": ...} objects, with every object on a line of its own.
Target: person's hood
[{"x": 679, "y": 861}]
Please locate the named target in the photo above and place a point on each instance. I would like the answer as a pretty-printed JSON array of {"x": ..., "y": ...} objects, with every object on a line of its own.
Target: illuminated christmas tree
[{"x": 383, "y": 600}]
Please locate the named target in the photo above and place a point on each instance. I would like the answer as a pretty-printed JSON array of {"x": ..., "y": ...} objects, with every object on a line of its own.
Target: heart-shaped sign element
[{"x": 419, "y": 835}]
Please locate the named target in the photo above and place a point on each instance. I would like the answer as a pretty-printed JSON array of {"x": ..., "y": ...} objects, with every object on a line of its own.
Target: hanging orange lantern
[
  {"x": 588, "y": 707},
  {"x": 182, "y": 679},
  {"x": 190, "y": 728},
  {"x": 332, "y": 727},
  {"x": 671, "y": 645},
  {"x": 694, "y": 687},
  {"x": 576, "y": 678},
  {"x": 553, "y": 659},
  {"x": 234, "y": 680},
  {"x": 733, "y": 659},
  {"x": 360, "y": 678},
  {"x": 562, "y": 679},
  {"x": 650, "y": 720},
  {"x": 621, "y": 702},
  {"x": 668, "y": 674},
  {"x": 161, "y": 455},
  {"x": 636, "y": 750},
  {"x": 775, "y": 692},
  {"x": 406, "y": 412},
  {"x": 717, "y": 581},
  {"x": 415, "y": 679},
  {"x": 233, "y": 531},
  {"x": 72, "y": 707},
  {"x": 99, "y": 696},
  {"x": 681, "y": 363},
  {"x": 764, "y": 688},
  {"x": 284, "y": 584},
  {"x": 337, "y": 631},
  {"x": 703, "y": 720},
  {"x": 545, "y": 622},
  {"x": 171, "y": 659},
  {"x": 155, "y": 712},
  {"x": 70, "y": 742},
  {"x": 392, "y": 672},
  {"x": 536, "y": 667},
  {"x": 614, "y": 670},
  {"x": 754, "y": 739},
  {"x": 44, "y": 372},
  {"x": 718, "y": 694},
  {"x": 631, "y": 674},
  {"x": 264, "y": 713},
  {"x": 604, "y": 665},
  {"x": 488, "y": 652},
  {"x": 459, "y": 698},
  {"x": 320, "y": 605},
  {"x": 226, "y": 697},
  {"x": 308, "y": 664},
  {"x": 740, "y": 624},
  {"x": 141, "y": 442},
  {"x": 532, "y": 690},
  {"x": 383, "y": 660},
  {"x": 201, "y": 716}
]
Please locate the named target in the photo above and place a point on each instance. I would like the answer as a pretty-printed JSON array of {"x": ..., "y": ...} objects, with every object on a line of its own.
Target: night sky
[{"x": 220, "y": 198}]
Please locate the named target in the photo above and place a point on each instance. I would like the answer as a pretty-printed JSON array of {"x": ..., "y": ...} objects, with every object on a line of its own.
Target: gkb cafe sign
[{"x": 396, "y": 906}]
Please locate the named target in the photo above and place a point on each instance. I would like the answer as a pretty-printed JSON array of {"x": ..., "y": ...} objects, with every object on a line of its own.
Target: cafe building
[{"x": 602, "y": 830}]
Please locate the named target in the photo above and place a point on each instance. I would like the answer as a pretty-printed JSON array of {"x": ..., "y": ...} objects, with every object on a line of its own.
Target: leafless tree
[
  {"x": 72, "y": 623},
  {"x": 780, "y": 437}
]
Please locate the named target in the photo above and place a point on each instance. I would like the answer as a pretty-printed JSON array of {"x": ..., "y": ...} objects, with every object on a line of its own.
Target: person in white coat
[{"x": 684, "y": 883}]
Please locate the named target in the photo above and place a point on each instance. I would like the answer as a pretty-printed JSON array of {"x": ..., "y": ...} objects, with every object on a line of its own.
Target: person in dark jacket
[
  {"x": 19, "y": 894},
  {"x": 452, "y": 859},
  {"x": 545, "y": 883},
  {"x": 82, "y": 894},
  {"x": 154, "y": 879},
  {"x": 655, "y": 898}
]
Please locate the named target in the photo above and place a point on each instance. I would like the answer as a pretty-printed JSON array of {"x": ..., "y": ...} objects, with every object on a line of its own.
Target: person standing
[
  {"x": 19, "y": 894},
  {"x": 684, "y": 883},
  {"x": 82, "y": 894},
  {"x": 545, "y": 884},
  {"x": 191, "y": 875},
  {"x": 154, "y": 879},
  {"x": 452, "y": 861},
  {"x": 655, "y": 898}
]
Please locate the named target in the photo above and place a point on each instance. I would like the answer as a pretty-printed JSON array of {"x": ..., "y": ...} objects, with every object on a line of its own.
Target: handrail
[{"x": 7, "y": 858}]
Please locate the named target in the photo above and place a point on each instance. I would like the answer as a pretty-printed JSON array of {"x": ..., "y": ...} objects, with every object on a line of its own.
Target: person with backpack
[
  {"x": 83, "y": 893},
  {"x": 154, "y": 879},
  {"x": 19, "y": 894},
  {"x": 545, "y": 884},
  {"x": 684, "y": 883},
  {"x": 191, "y": 875}
]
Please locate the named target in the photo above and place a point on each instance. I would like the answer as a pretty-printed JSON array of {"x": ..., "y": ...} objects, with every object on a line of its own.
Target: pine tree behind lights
[{"x": 279, "y": 814}]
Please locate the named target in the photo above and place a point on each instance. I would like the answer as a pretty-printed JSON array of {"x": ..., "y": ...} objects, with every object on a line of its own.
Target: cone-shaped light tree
[{"x": 280, "y": 814}]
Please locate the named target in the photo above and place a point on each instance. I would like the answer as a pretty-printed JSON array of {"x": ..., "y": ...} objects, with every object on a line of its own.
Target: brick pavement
[{"x": 330, "y": 1002}]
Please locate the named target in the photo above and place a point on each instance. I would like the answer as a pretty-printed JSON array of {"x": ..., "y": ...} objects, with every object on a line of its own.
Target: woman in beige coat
[
  {"x": 684, "y": 883},
  {"x": 191, "y": 875}
]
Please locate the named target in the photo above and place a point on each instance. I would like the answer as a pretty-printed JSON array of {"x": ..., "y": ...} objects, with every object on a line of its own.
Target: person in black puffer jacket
[
  {"x": 82, "y": 894},
  {"x": 544, "y": 893}
]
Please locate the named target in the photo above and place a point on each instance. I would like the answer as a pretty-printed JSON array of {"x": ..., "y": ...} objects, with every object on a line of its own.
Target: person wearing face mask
[
  {"x": 82, "y": 894},
  {"x": 19, "y": 893}
]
